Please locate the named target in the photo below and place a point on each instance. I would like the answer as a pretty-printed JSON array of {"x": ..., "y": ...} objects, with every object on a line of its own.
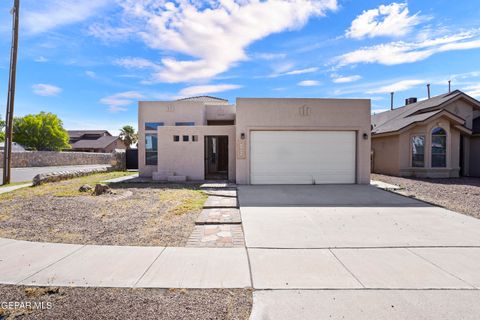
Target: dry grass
[
  {"x": 66, "y": 188},
  {"x": 182, "y": 201},
  {"x": 137, "y": 214}
]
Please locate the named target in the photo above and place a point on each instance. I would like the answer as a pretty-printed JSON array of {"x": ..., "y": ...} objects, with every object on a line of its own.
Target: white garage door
[{"x": 302, "y": 157}]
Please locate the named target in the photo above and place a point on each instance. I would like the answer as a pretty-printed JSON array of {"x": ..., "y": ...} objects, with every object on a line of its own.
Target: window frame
[
  {"x": 151, "y": 153},
  {"x": 444, "y": 154},
  {"x": 185, "y": 124},
  {"x": 154, "y": 127},
  {"x": 412, "y": 161}
]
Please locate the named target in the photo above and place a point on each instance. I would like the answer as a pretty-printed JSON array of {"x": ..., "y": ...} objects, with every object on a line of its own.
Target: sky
[{"x": 90, "y": 62}]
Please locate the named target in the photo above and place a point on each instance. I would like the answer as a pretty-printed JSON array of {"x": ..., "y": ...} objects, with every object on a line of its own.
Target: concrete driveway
[
  {"x": 27, "y": 174},
  {"x": 357, "y": 252}
]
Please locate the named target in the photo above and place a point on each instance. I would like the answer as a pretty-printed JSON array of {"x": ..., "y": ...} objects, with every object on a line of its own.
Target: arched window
[{"x": 439, "y": 148}]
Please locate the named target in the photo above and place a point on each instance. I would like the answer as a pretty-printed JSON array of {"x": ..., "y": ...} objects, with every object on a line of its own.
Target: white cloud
[
  {"x": 347, "y": 79},
  {"x": 294, "y": 72},
  {"x": 386, "y": 20},
  {"x": 120, "y": 101},
  {"x": 398, "y": 86},
  {"x": 207, "y": 89},
  {"x": 136, "y": 63},
  {"x": 473, "y": 91},
  {"x": 42, "y": 16},
  {"x": 270, "y": 56},
  {"x": 308, "y": 83},
  {"x": 45, "y": 90},
  {"x": 91, "y": 74},
  {"x": 41, "y": 59},
  {"x": 400, "y": 52},
  {"x": 214, "y": 34}
]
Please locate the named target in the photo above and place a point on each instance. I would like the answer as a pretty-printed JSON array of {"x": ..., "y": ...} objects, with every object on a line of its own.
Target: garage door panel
[{"x": 302, "y": 157}]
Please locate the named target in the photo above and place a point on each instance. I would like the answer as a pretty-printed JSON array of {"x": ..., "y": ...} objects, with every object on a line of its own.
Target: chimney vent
[
  {"x": 391, "y": 100},
  {"x": 449, "y": 86},
  {"x": 428, "y": 90},
  {"x": 410, "y": 101}
]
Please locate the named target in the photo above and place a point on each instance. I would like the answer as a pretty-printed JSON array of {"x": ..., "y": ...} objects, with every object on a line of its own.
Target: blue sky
[{"x": 91, "y": 61}]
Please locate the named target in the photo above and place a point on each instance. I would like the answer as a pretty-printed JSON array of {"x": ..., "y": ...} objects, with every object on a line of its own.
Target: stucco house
[
  {"x": 94, "y": 141},
  {"x": 256, "y": 141},
  {"x": 437, "y": 138}
]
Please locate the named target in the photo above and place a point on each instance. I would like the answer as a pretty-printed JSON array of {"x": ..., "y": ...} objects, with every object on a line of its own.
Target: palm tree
[{"x": 128, "y": 136}]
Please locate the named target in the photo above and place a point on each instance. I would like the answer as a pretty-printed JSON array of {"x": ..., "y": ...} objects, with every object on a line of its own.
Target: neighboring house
[
  {"x": 256, "y": 141},
  {"x": 94, "y": 141},
  {"x": 436, "y": 138},
  {"x": 16, "y": 147}
]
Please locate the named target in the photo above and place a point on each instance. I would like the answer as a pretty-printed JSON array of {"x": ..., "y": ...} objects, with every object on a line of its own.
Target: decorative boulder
[
  {"x": 85, "y": 188},
  {"x": 102, "y": 189}
]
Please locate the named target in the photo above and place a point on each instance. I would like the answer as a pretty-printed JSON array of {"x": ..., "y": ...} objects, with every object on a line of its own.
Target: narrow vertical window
[
  {"x": 418, "y": 151},
  {"x": 439, "y": 148},
  {"x": 151, "y": 149}
]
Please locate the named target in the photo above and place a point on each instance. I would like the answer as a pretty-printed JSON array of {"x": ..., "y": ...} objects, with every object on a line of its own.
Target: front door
[{"x": 216, "y": 158}]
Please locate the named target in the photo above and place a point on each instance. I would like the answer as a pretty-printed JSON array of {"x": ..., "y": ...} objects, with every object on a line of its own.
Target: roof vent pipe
[
  {"x": 391, "y": 100},
  {"x": 449, "y": 86},
  {"x": 428, "y": 90}
]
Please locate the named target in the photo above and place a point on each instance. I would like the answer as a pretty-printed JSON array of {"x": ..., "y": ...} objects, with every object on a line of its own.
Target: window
[
  {"x": 176, "y": 138},
  {"x": 185, "y": 138},
  {"x": 188, "y": 124},
  {"x": 418, "y": 151},
  {"x": 151, "y": 147},
  {"x": 439, "y": 148},
  {"x": 153, "y": 125},
  {"x": 194, "y": 138}
]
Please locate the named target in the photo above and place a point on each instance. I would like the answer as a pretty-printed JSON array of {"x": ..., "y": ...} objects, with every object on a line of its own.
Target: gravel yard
[
  {"x": 137, "y": 214},
  {"x": 113, "y": 303},
  {"x": 457, "y": 194}
]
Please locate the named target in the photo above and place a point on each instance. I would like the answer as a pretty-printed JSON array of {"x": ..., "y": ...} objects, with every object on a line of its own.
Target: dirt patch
[
  {"x": 135, "y": 214},
  {"x": 114, "y": 303},
  {"x": 457, "y": 194}
]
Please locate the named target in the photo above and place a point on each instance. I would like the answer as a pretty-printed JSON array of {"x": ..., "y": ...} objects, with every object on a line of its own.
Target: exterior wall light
[
  {"x": 365, "y": 136},
  {"x": 242, "y": 136}
]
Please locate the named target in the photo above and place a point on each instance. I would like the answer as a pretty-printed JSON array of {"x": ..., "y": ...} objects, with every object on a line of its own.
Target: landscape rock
[
  {"x": 102, "y": 189},
  {"x": 85, "y": 188}
]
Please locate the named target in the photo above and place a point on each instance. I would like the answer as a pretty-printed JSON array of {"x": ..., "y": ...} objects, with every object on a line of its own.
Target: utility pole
[{"x": 7, "y": 152}]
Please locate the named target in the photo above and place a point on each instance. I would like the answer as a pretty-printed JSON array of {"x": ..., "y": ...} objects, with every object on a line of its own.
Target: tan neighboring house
[
  {"x": 437, "y": 138},
  {"x": 94, "y": 141},
  {"x": 256, "y": 141}
]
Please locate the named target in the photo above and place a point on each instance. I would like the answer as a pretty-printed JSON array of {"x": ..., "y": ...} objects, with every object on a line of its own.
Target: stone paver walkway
[
  {"x": 219, "y": 216},
  {"x": 219, "y": 223},
  {"x": 217, "y": 236}
]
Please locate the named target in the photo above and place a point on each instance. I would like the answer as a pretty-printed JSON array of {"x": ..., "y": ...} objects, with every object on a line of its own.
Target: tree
[
  {"x": 2, "y": 128},
  {"x": 128, "y": 136},
  {"x": 42, "y": 132}
]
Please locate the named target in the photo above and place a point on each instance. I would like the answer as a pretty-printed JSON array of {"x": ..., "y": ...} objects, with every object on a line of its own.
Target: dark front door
[{"x": 216, "y": 158}]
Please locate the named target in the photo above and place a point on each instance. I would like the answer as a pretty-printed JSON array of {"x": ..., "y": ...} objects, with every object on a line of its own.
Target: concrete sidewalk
[{"x": 55, "y": 264}]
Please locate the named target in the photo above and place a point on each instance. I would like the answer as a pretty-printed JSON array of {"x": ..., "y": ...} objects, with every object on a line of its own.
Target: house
[
  {"x": 94, "y": 141},
  {"x": 437, "y": 138},
  {"x": 256, "y": 141},
  {"x": 16, "y": 147}
]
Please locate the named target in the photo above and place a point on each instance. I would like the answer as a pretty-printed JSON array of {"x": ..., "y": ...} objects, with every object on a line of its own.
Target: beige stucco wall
[
  {"x": 404, "y": 153},
  {"x": 167, "y": 112},
  {"x": 188, "y": 158},
  {"x": 303, "y": 114},
  {"x": 386, "y": 157},
  {"x": 220, "y": 112}
]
